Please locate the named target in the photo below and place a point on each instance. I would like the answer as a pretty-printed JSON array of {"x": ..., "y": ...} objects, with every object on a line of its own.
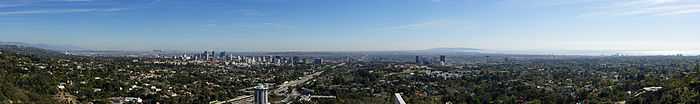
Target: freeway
[
  {"x": 238, "y": 100},
  {"x": 281, "y": 89}
]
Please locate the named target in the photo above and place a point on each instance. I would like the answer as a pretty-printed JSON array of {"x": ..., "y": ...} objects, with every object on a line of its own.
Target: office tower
[
  {"x": 277, "y": 60},
  {"x": 295, "y": 60},
  {"x": 318, "y": 61},
  {"x": 348, "y": 59},
  {"x": 261, "y": 94},
  {"x": 222, "y": 55},
  {"x": 213, "y": 54},
  {"x": 443, "y": 60},
  {"x": 418, "y": 60},
  {"x": 204, "y": 55}
]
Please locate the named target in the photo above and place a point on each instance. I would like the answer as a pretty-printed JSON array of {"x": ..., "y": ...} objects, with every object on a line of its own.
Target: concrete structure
[
  {"x": 318, "y": 61},
  {"x": 222, "y": 55},
  {"x": 261, "y": 94},
  {"x": 398, "y": 98},
  {"x": 443, "y": 60},
  {"x": 418, "y": 60}
]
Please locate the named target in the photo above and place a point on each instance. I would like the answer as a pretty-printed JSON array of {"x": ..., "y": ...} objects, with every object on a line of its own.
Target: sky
[{"x": 354, "y": 25}]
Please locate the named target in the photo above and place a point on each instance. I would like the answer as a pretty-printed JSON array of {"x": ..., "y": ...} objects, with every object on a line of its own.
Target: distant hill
[
  {"x": 453, "y": 50},
  {"x": 25, "y": 50},
  {"x": 44, "y": 46}
]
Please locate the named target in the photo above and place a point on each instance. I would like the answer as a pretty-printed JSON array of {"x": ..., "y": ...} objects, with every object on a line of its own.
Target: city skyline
[{"x": 366, "y": 25}]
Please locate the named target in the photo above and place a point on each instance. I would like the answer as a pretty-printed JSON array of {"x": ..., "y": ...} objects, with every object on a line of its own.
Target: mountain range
[
  {"x": 432, "y": 51},
  {"x": 45, "y": 46}
]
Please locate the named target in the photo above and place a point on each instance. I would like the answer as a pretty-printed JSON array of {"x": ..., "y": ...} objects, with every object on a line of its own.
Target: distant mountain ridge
[
  {"x": 27, "y": 50},
  {"x": 453, "y": 49},
  {"x": 44, "y": 46}
]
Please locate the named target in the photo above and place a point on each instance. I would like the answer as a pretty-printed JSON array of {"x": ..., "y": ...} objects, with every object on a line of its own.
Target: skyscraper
[
  {"x": 318, "y": 61},
  {"x": 443, "y": 60},
  {"x": 222, "y": 55},
  {"x": 295, "y": 60},
  {"x": 418, "y": 60},
  {"x": 205, "y": 55},
  {"x": 212, "y": 53},
  {"x": 261, "y": 94}
]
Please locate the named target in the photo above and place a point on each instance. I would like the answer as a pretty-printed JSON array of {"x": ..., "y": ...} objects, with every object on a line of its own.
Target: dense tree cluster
[
  {"x": 29, "y": 75},
  {"x": 38, "y": 77},
  {"x": 551, "y": 81}
]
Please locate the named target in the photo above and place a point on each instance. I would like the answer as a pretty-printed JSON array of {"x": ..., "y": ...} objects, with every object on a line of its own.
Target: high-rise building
[
  {"x": 318, "y": 61},
  {"x": 222, "y": 55},
  {"x": 296, "y": 60},
  {"x": 348, "y": 59},
  {"x": 443, "y": 60},
  {"x": 213, "y": 54},
  {"x": 418, "y": 60},
  {"x": 261, "y": 94},
  {"x": 205, "y": 55}
]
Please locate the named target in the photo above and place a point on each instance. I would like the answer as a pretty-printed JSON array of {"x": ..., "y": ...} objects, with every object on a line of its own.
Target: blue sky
[{"x": 354, "y": 25}]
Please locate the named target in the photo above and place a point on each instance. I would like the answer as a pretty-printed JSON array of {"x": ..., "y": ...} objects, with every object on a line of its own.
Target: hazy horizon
[{"x": 362, "y": 25}]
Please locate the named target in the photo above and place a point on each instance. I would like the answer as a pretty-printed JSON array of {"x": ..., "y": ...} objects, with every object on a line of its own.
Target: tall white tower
[{"x": 261, "y": 94}]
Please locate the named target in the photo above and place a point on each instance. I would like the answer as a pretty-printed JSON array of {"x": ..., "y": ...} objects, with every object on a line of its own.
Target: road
[
  {"x": 281, "y": 89},
  {"x": 238, "y": 100}
]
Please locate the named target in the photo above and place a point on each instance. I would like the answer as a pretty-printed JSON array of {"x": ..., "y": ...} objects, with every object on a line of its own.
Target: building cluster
[
  {"x": 222, "y": 58},
  {"x": 441, "y": 60},
  {"x": 261, "y": 94},
  {"x": 360, "y": 79}
]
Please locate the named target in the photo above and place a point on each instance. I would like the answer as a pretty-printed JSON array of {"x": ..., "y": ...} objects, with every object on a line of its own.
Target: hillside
[
  {"x": 22, "y": 83},
  {"x": 32, "y": 51}
]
